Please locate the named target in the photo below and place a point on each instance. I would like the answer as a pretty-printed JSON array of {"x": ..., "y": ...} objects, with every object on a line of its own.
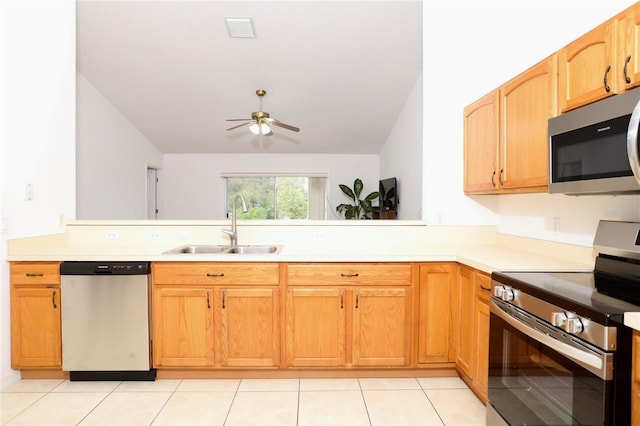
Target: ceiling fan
[{"x": 260, "y": 122}]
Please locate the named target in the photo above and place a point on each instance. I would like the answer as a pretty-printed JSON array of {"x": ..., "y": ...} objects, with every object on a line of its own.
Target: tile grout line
[
  {"x": 165, "y": 403},
  {"x": 364, "y": 401}
]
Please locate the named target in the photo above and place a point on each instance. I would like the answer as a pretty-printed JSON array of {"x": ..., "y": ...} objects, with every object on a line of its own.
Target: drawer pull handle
[
  {"x": 349, "y": 275},
  {"x": 34, "y": 275},
  {"x": 208, "y": 299},
  {"x": 53, "y": 300},
  {"x": 224, "y": 298},
  {"x": 215, "y": 275},
  {"x": 485, "y": 288},
  {"x": 357, "y": 298}
]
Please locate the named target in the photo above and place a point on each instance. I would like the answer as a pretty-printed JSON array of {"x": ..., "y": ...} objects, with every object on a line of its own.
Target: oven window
[{"x": 530, "y": 384}]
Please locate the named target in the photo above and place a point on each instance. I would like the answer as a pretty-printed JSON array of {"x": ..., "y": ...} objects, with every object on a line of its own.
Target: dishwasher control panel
[{"x": 105, "y": 268}]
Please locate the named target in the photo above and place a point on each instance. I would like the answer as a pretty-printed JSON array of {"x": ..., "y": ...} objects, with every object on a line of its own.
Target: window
[{"x": 278, "y": 196}]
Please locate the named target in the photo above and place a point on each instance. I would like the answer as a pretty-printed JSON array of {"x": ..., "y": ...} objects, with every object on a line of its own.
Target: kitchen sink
[
  {"x": 222, "y": 249},
  {"x": 253, "y": 250}
]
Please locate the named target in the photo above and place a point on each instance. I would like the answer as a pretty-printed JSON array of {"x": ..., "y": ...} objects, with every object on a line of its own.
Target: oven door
[{"x": 536, "y": 379}]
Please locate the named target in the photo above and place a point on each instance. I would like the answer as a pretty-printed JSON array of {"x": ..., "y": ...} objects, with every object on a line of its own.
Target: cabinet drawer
[
  {"x": 483, "y": 286},
  {"x": 35, "y": 273},
  {"x": 215, "y": 273},
  {"x": 348, "y": 274}
]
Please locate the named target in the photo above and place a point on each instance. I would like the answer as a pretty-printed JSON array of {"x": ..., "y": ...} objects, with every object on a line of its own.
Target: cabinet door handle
[
  {"x": 208, "y": 299},
  {"x": 224, "y": 298},
  {"x": 606, "y": 84},
  {"x": 501, "y": 177},
  {"x": 215, "y": 275},
  {"x": 342, "y": 300},
  {"x": 485, "y": 288},
  {"x": 349, "y": 275},
  {"x": 493, "y": 179},
  {"x": 53, "y": 300},
  {"x": 357, "y": 298},
  {"x": 34, "y": 275},
  {"x": 626, "y": 74}
]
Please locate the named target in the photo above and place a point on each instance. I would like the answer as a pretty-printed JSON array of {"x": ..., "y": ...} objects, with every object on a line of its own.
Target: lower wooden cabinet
[
  {"x": 435, "y": 321},
  {"x": 472, "y": 339},
  {"x": 199, "y": 324},
  {"x": 635, "y": 377},
  {"x": 36, "y": 340}
]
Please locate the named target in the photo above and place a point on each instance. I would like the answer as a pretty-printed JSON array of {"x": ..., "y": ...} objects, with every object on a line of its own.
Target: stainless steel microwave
[{"x": 594, "y": 149}]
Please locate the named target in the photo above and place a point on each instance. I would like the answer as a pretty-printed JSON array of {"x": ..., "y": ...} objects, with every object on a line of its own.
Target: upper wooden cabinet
[
  {"x": 506, "y": 144},
  {"x": 629, "y": 46},
  {"x": 481, "y": 145},
  {"x": 527, "y": 102},
  {"x": 589, "y": 68}
]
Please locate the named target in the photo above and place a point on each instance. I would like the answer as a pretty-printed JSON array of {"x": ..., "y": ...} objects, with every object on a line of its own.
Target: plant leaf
[
  {"x": 372, "y": 196},
  {"x": 347, "y": 191},
  {"x": 357, "y": 187}
]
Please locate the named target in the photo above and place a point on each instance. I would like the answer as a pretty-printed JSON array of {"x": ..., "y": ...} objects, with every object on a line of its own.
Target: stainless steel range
[{"x": 559, "y": 353}]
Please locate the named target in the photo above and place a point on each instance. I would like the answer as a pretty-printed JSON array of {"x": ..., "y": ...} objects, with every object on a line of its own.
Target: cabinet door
[
  {"x": 481, "y": 375},
  {"x": 249, "y": 327},
  {"x": 435, "y": 334},
  {"x": 35, "y": 327},
  {"x": 481, "y": 145},
  {"x": 182, "y": 327},
  {"x": 381, "y": 326},
  {"x": 630, "y": 35},
  {"x": 635, "y": 377},
  {"x": 526, "y": 104},
  {"x": 466, "y": 332},
  {"x": 315, "y": 327},
  {"x": 587, "y": 68}
]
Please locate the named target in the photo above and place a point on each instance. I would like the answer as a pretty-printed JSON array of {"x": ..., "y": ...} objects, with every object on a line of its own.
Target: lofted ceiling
[{"x": 341, "y": 71}]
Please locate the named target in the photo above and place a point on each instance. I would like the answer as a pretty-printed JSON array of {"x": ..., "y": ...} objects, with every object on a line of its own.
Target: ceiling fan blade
[
  {"x": 240, "y": 125},
  {"x": 285, "y": 126},
  {"x": 237, "y": 119}
]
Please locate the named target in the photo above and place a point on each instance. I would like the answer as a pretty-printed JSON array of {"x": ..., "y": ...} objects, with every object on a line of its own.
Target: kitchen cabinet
[
  {"x": 629, "y": 30},
  {"x": 35, "y": 315},
  {"x": 506, "y": 143},
  {"x": 436, "y": 319},
  {"x": 348, "y": 315},
  {"x": 472, "y": 340},
  {"x": 588, "y": 68},
  {"x": 208, "y": 314},
  {"x": 481, "y": 145}
]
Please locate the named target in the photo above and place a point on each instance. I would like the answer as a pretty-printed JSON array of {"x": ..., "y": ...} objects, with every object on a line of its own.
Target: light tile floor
[{"x": 421, "y": 401}]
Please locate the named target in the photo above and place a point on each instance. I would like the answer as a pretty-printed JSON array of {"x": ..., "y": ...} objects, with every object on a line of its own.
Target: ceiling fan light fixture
[{"x": 257, "y": 128}]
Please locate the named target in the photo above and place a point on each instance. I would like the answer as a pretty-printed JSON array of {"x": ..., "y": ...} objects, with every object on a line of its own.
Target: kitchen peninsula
[{"x": 392, "y": 308}]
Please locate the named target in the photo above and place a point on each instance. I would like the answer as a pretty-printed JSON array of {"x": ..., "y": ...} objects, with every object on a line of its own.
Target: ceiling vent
[{"x": 240, "y": 27}]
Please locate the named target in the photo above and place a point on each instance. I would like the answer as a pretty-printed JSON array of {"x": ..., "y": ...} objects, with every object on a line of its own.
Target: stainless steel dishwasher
[{"x": 105, "y": 320}]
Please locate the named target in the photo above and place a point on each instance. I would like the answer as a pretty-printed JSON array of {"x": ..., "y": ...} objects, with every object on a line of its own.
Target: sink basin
[
  {"x": 198, "y": 250},
  {"x": 252, "y": 250},
  {"x": 221, "y": 249}
]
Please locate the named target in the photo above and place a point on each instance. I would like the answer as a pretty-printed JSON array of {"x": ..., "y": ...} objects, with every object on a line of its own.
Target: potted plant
[{"x": 360, "y": 209}]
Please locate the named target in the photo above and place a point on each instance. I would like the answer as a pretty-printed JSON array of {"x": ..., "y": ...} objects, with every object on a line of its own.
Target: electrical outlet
[
  {"x": 111, "y": 235},
  {"x": 556, "y": 225},
  {"x": 28, "y": 192},
  {"x": 4, "y": 225},
  {"x": 154, "y": 235},
  {"x": 184, "y": 235}
]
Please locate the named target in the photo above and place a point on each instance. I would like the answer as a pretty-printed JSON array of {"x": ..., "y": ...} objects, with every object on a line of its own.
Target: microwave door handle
[
  {"x": 590, "y": 361},
  {"x": 632, "y": 142}
]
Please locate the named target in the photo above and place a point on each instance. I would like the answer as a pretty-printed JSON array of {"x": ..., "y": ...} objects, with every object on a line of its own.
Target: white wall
[
  {"x": 465, "y": 57},
  {"x": 112, "y": 159},
  {"x": 401, "y": 155},
  {"x": 38, "y": 131},
  {"x": 193, "y": 188}
]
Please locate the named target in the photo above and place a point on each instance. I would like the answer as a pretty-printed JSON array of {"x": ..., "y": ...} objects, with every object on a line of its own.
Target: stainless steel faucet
[{"x": 233, "y": 232}]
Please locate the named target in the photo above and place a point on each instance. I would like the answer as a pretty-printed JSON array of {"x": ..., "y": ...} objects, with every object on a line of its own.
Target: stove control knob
[
  {"x": 508, "y": 295},
  {"x": 574, "y": 326},
  {"x": 497, "y": 291},
  {"x": 558, "y": 319}
]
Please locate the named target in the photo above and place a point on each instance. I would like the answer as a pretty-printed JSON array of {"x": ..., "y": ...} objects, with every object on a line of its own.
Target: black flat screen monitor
[{"x": 388, "y": 194}]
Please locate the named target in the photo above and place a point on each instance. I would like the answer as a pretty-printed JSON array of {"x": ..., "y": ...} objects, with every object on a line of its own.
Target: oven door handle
[{"x": 595, "y": 363}]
